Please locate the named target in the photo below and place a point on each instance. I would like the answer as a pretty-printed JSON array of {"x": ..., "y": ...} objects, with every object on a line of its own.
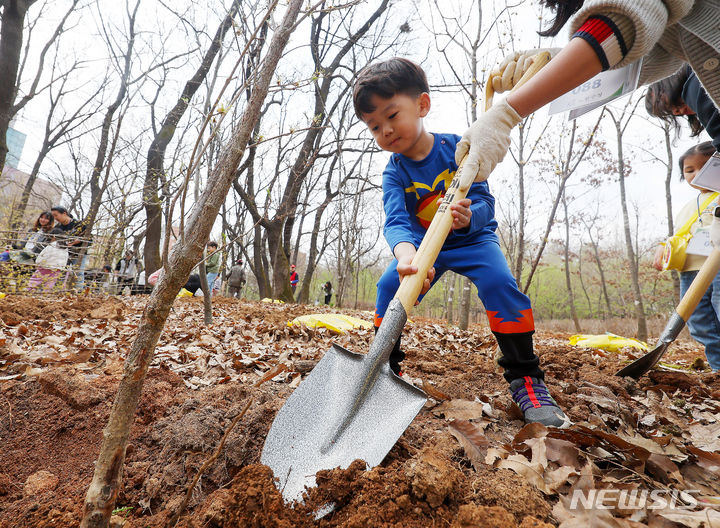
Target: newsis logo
[{"x": 635, "y": 499}]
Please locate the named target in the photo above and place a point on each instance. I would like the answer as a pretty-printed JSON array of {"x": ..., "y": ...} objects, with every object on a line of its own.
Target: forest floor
[{"x": 466, "y": 460}]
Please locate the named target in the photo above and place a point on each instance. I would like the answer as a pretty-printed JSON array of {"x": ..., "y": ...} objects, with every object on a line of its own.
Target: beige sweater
[{"x": 666, "y": 34}]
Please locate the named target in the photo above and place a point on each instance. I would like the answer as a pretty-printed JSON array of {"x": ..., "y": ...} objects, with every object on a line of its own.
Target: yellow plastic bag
[
  {"x": 675, "y": 252},
  {"x": 268, "y": 300},
  {"x": 2, "y": 295},
  {"x": 607, "y": 341},
  {"x": 675, "y": 247},
  {"x": 184, "y": 293},
  {"x": 339, "y": 323}
]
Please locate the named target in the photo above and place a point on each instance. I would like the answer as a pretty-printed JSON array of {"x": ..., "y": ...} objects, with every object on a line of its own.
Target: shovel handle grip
[
  {"x": 435, "y": 236},
  {"x": 699, "y": 285}
]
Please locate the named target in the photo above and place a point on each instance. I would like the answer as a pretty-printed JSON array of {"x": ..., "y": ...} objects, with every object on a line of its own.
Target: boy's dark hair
[
  {"x": 665, "y": 95},
  {"x": 705, "y": 148},
  {"x": 213, "y": 244},
  {"x": 386, "y": 79}
]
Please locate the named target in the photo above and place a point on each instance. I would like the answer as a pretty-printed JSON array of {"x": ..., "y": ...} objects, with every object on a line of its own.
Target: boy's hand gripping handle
[{"x": 441, "y": 224}]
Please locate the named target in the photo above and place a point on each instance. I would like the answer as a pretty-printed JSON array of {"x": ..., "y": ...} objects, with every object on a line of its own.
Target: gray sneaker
[{"x": 536, "y": 404}]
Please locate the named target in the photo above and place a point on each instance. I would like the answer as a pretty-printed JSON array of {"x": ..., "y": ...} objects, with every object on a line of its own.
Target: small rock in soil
[
  {"x": 70, "y": 387},
  {"x": 39, "y": 482}
]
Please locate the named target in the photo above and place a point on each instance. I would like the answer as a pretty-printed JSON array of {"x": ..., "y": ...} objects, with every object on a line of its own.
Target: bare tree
[
  {"x": 104, "y": 488},
  {"x": 278, "y": 230},
  {"x": 164, "y": 135},
  {"x": 59, "y": 131},
  {"x": 566, "y": 264},
  {"x": 623, "y": 169},
  {"x": 566, "y": 165},
  {"x": 12, "y": 67}
]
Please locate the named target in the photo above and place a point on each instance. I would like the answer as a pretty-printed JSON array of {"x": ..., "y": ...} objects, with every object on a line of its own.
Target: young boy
[{"x": 392, "y": 99}]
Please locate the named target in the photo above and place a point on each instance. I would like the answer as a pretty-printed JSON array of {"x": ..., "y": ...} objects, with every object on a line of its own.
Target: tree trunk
[
  {"x": 632, "y": 261},
  {"x": 105, "y": 486},
  {"x": 668, "y": 203},
  {"x": 450, "y": 282},
  {"x": 568, "y": 282},
  {"x": 11, "y": 38},
  {"x": 465, "y": 303}
]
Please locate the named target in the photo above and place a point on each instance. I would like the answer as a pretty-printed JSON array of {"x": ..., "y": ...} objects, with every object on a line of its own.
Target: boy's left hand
[{"x": 461, "y": 213}]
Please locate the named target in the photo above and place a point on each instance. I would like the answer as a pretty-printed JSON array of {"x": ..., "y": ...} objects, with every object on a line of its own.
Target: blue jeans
[
  {"x": 704, "y": 324},
  {"x": 211, "y": 280}
]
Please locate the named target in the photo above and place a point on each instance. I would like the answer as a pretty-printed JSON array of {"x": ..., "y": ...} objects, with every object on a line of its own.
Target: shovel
[
  {"x": 677, "y": 321},
  {"x": 352, "y": 406}
]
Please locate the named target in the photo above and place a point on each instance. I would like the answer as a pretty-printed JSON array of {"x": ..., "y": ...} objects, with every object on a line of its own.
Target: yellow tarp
[
  {"x": 336, "y": 322},
  {"x": 609, "y": 342},
  {"x": 268, "y": 300}
]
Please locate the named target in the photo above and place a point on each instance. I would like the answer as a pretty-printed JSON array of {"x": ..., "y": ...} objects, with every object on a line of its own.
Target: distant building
[
  {"x": 44, "y": 195},
  {"x": 15, "y": 143}
]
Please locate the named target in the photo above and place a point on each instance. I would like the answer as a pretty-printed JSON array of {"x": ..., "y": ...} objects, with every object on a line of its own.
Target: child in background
[
  {"x": 50, "y": 263},
  {"x": 392, "y": 99},
  {"x": 704, "y": 323}
]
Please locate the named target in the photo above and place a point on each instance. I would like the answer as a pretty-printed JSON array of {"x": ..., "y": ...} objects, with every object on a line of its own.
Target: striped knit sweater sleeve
[
  {"x": 610, "y": 36},
  {"x": 622, "y": 31}
]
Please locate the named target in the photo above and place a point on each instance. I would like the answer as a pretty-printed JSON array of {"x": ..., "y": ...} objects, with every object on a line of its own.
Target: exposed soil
[{"x": 61, "y": 361}]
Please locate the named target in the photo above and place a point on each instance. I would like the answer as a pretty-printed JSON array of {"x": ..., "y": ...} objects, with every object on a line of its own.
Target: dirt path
[{"x": 61, "y": 359}]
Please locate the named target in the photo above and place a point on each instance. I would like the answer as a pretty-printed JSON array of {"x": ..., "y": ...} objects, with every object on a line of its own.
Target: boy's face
[{"x": 396, "y": 123}]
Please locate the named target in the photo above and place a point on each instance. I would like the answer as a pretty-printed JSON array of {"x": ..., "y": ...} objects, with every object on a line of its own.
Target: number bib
[
  {"x": 700, "y": 243},
  {"x": 598, "y": 91}
]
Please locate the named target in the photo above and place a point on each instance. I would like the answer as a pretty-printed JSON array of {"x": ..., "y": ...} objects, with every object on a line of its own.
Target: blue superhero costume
[{"x": 411, "y": 190}]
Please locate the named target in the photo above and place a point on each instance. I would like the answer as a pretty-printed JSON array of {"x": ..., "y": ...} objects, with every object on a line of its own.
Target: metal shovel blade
[
  {"x": 642, "y": 365},
  {"x": 351, "y": 406}
]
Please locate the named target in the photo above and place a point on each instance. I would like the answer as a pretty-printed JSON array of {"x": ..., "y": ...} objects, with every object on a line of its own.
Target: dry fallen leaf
[
  {"x": 433, "y": 392},
  {"x": 473, "y": 442},
  {"x": 460, "y": 410}
]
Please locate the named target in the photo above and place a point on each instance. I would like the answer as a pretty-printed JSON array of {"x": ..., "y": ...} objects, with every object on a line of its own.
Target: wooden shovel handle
[
  {"x": 435, "y": 236},
  {"x": 699, "y": 285}
]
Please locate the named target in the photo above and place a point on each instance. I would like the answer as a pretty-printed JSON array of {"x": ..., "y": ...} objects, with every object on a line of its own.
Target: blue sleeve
[
  {"x": 482, "y": 208},
  {"x": 397, "y": 219},
  {"x": 698, "y": 100}
]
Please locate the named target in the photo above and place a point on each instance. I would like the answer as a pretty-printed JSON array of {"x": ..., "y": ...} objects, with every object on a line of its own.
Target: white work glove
[
  {"x": 513, "y": 67},
  {"x": 487, "y": 140},
  {"x": 715, "y": 228}
]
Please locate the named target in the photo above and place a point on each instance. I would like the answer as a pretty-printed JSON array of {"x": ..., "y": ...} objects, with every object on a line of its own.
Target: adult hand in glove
[
  {"x": 486, "y": 141},
  {"x": 513, "y": 67}
]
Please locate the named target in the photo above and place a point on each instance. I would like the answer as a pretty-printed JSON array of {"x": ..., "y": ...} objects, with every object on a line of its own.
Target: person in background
[
  {"x": 125, "y": 271},
  {"x": 78, "y": 241},
  {"x": 236, "y": 279},
  {"x": 704, "y": 323},
  {"x": 212, "y": 264},
  {"x": 37, "y": 238},
  {"x": 50, "y": 262},
  {"x": 106, "y": 284},
  {"x": 328, "y": 291},
  {"x": 294, "y": 279}
]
